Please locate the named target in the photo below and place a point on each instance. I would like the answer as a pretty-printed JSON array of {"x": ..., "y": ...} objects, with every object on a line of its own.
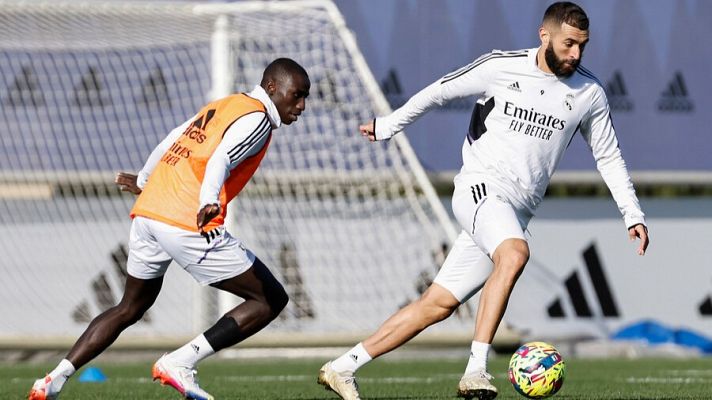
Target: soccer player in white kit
[{"x": 530, "y": 103}]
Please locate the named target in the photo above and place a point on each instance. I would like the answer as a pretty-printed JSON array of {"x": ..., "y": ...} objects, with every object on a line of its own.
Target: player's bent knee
[
  {"x": 512, "y": 253},
  {"x": 440, "y": 313},
  {"x": 272, "y": 302},
  {"x": 278, "y": 301},
  {"x": 510, "y": 258},
  {"x": 437, "y": 303},
  {"x": 516, "y": 260}
]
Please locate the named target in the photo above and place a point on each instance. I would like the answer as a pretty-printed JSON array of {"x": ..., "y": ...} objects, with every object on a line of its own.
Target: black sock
[{"x": 224, "y": 333}]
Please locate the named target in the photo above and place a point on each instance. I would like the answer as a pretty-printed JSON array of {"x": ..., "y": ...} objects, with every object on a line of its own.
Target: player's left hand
[
  {"x": 127, "y": 182},
  {"x": 641, "y": 231},
  {"x": 206, "y": 214}
]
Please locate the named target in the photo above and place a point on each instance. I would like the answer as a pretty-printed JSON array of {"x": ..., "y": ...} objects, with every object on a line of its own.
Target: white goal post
[{"x": 354, "y": 230}]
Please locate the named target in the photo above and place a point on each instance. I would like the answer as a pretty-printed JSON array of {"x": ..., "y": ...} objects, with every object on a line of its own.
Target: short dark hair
[
  {"x": 566, "y": 12},
  {"x": 280, "y": 68}
]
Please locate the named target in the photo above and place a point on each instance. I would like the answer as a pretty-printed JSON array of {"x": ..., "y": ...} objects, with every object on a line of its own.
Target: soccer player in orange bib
[{"x": 183, "y": 190}]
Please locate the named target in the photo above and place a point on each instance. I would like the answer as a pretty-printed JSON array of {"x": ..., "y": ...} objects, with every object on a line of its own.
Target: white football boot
[
  {"x": 47, "y": 388},
  {"x": 477, "y": 385},
  {"x": 342, "y": 384},
  {"x": 182, "y": 379}
]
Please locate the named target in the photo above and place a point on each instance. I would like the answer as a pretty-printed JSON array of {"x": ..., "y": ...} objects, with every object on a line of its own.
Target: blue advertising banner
[{"x": 653, "y": 58}]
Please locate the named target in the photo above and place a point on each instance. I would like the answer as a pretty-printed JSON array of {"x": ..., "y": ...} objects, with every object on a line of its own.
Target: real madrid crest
[{"x": 569, "y": 102}]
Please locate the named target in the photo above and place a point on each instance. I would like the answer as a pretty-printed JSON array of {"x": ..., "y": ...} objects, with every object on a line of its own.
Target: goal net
[{"x": 352, "y": 229}]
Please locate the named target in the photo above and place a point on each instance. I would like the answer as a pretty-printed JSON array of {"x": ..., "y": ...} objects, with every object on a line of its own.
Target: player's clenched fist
[
  {"x": 368, "y": 131},
  {"x": 127, "y": 182},
  {"x": 206, "y": 214}
]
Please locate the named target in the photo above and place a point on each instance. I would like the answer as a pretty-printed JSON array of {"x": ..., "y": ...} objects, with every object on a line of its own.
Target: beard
[{"x": 559, "y": 67}]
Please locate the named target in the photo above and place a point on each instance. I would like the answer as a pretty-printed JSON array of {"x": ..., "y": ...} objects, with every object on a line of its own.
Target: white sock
[
  {"x": 191, "y": 353},
  {"x": 61, "y": 373},
  {"x": 478, "y": 357},
  {"x": 64, "y": 368},
  {"x": 351, "y": 360}
]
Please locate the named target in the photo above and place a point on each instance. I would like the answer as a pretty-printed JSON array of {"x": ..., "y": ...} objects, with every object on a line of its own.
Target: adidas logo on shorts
[{"x": 479, "y": 192}]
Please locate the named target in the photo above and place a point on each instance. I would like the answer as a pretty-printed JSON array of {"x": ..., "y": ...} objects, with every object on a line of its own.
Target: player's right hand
[
  {"x": 126, "y": 181},
  {"x": 640, "y": 231},
  {"x": 368, "y": 131},
  {"x": 206, "y": 214}
]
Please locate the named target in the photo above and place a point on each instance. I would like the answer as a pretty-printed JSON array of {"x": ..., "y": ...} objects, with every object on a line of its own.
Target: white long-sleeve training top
[{"x": 523, "y": 121}]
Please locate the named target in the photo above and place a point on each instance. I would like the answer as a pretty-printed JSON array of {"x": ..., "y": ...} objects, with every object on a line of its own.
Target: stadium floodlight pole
[{"x": 374, "y": 91}]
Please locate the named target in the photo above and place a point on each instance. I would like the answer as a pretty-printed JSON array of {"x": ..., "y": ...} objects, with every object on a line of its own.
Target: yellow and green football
[{"x": 537, "y": 370}]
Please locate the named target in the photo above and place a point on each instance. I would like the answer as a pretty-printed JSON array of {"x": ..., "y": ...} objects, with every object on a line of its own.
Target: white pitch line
[
  {"x": 662, "y": 380},
  {"x": 675, "y": 376},
  {"x": 690, "y": 372}
]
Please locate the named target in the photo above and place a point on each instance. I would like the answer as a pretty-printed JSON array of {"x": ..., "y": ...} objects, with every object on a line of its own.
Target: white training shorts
[
  {"x": 153, "y": 244},
  {"x": 487, "y": 219}
]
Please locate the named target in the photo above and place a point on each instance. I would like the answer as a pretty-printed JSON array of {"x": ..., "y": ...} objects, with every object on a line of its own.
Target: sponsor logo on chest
[{"x": 529, "y": 121}]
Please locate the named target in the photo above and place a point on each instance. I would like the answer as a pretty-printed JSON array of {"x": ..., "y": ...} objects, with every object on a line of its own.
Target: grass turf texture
[{"x": 383, "y": 379}]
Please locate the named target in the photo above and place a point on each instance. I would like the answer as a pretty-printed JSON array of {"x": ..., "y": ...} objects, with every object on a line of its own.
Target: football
[{"x": 537, "y": 370}]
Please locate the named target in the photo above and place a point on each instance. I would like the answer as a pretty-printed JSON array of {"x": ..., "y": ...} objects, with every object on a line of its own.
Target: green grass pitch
[{"x": 391, "y": 379}]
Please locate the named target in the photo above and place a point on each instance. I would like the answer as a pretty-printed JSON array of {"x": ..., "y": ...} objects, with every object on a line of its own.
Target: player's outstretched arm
[
  {"x": 640, "y": 231},
  {"x": 367, "y": 131},
  {"x": 126, "y": 181}
]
